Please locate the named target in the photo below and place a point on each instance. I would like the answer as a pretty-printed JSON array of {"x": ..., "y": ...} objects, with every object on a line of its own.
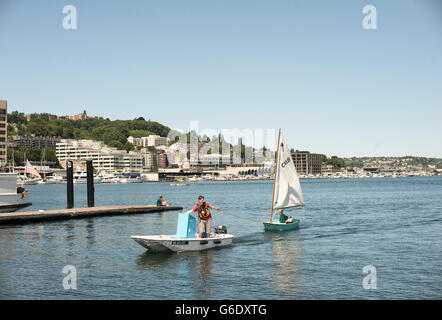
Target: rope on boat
[{"x": 239, "y": 217}]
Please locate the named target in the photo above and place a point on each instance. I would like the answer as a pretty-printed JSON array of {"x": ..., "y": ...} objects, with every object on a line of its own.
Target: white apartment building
[
  {"x": 156, "y": 141},
  {"x": 102, "y": 156},
  {"x": 134, "y": 141},
  {"x": 149, "y": 141}
]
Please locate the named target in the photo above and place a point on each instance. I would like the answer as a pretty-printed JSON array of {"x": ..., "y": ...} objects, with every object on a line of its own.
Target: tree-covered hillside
[{"x": 113, "y": 133}]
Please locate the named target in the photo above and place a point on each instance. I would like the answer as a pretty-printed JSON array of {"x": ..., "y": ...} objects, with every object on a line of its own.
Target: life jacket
[{"x": 203, "y": 211}]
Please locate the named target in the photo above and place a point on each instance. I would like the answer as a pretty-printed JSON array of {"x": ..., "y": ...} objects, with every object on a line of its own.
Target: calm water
[{"x": 392, "y": 224}]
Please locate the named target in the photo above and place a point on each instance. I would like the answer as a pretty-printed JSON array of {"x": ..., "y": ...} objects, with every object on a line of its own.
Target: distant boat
[
  {"x": 130, "y": 178},
  {"x": 80, "y": 177},
  {"x": 286, "y": 188},
  {"x": 54, "y": 179},
  {"x": 10, "y": 200},
  {"x": 23, "y": 180}
]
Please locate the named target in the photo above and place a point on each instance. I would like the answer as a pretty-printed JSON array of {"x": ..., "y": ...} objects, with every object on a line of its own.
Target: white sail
[{"x": 288, "y": 192}]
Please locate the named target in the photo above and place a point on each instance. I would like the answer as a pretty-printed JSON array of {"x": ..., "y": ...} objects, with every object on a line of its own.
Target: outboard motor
[{"x": 221, "y": 230}]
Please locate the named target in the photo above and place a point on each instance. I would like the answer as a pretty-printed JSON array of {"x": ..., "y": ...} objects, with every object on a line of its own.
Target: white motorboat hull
[
  {"x": 127, "y": 180},
  {"x": 15, "y": 203},
  {"x": 163, "y": 243}
]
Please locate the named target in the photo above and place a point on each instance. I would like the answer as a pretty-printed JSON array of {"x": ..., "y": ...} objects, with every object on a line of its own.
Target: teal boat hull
[{"x": 275, "y": 225}]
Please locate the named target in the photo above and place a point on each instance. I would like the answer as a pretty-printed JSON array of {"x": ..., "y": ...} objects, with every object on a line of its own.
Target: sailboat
[{"x": 286, "y": 188}]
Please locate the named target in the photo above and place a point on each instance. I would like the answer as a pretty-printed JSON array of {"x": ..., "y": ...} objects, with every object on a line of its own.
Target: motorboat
[
  {"x": 80, "y": 177},
  {"x": 24, "y": 180},
  {"x": 186, "y": 238},
  {"x": 10, "y": 199},
  {"x": 130, "y": 180}
]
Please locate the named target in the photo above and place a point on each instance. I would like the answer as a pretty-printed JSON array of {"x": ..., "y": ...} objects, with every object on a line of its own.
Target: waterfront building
[
  {"x": 35, "y": 142},
  {"x": 307, "y": 163},
  {"x": 103, "y": 157},
  {"x": 327, "y": 169},
  {"x": 3, "y": 132}
]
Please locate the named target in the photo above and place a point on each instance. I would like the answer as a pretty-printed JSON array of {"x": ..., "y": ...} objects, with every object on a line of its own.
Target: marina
[{"x": 346, "y": 225}]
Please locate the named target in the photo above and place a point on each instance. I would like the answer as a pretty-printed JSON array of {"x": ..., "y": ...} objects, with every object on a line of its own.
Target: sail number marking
[{"x": 286, "y": 162}]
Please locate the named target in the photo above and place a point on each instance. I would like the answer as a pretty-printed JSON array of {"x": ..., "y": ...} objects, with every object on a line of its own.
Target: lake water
[{"x": 394, "y": 225}]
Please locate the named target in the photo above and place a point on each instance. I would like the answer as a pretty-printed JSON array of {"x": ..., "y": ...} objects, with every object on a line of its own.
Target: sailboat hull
[{"x": 275, "y": 225}]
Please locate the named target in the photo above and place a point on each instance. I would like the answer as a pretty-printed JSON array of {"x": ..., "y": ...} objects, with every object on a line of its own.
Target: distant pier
[{"x": 79, "y": 213}]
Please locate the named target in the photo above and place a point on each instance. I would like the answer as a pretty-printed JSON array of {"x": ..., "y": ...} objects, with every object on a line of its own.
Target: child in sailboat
[{"x": 283, "y": 218}]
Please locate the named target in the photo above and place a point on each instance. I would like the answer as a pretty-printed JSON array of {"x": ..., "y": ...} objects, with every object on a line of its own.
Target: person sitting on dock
[
  {"x": 23, "y": 192},
  {"x": 282, "y": 217},
  {"x": 204, "y": 215},
  {"x": 161, "y": 202}
]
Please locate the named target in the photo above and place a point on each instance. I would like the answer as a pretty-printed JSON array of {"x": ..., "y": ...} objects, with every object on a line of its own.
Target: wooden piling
[
  {"x": 70, "y": 184},
  {"x": 90, "y": 184}
]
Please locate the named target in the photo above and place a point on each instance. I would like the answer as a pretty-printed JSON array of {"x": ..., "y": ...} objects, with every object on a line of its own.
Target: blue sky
[{"x": 305, "y": 66}]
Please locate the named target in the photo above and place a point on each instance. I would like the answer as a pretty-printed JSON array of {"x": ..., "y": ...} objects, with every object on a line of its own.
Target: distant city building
[
  {"x": 327, "y": 169},
  {"x": 102, "y": 156},
  {"x": 162, "y": 159},
  {"x": 149, "y": 141},
  {"x": 307, "y": 163},
  {"x": 3, "y": 131},
  {"x": 150, "y": 159},
  {"x": 50, "y": 116},
  {"x": 81, "y": 116},
  {"x": 134, "y": 141},
  {"x": 35, "y": 142},
  {"x": 156, "y": 141}
]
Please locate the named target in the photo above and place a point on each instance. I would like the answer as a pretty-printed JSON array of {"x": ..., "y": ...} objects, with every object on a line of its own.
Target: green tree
[{"x": 128, "y": 146}]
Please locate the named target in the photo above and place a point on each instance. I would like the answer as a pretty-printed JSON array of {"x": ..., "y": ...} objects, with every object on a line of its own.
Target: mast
[
  {"x": 274, "y": 178},
  {"x": 41, "y": 161},
  {"x": 44, "y": 162}
]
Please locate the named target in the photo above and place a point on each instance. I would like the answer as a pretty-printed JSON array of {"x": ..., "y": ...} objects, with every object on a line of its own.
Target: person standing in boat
[{"x": 204, "y": 215}]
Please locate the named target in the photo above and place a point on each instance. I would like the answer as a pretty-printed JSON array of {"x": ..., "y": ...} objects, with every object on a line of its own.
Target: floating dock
[{"x": 78, "y": 213}]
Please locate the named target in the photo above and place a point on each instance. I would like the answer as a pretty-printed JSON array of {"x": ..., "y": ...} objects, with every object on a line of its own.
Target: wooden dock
[{"x": 78, "y": 213}]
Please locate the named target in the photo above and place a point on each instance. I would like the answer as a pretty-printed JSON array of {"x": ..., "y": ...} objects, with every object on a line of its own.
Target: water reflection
[
  {"x": 90, "y": 230},
  {"x": 190, "y": 269},
  {"x": 204, "y": 276},
  {"x": 286, "y": 255},
  {"x": 152, "y": 259}
]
